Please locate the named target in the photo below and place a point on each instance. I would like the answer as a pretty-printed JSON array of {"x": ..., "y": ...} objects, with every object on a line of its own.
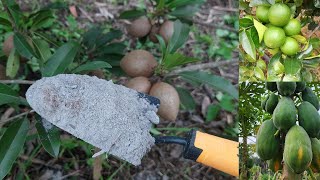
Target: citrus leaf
[
  {"x": 305, "y": 53},
  {"x": 89, "y": 66},
  {"x": 49, "y": 136},
  {"x": 246, "y": 22},
  {"x": 8, "y": 95},
  {"x": 216, "y": 82},
  {"x": 247, "y": 44},
  {"x": 13, "y": 64},
  {"x": 12, "y": 143},
  {"x": 61, "y": 59},
  {"x": 255, "y": 3},
  {"x": 292, "y": 66},
  {"x": 186, "y": 100},
  {"x": 260, "y": 28},
  {"x": 22, "y": 46},
  {"x": 300, "y": 39}
]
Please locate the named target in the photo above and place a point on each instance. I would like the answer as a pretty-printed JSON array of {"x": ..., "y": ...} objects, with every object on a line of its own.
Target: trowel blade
[{"x": 151, "y": 99}]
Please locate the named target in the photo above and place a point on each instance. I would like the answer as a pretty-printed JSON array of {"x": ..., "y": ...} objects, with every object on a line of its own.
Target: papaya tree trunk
[
  {"x": 287, "y": 174},
  {"x": 244, "y": 153}
]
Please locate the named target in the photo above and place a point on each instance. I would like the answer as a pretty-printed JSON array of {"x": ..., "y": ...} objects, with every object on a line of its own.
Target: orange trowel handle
[{"x": 219, "y": 153}]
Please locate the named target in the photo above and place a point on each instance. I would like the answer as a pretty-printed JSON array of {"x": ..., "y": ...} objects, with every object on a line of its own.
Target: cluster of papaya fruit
[{"x": 292, "y": 135}]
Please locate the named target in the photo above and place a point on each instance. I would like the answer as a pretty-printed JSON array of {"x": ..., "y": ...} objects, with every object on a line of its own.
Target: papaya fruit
[
  {"x": 271, "y": 86},
  {"x": 275, "y": 164},
  {"x": 271, "y": 103},
  {"x": 286, "y": 88},
  {"x": 284, "y": 115},
  {"x": 267, "y": 145},
  {"x": 309, "y": 118},
  {"x": 300, "y": 86},
  {"x": 263, "y": 102},
  {"x": 308, "y": 95},
  {"x": 297, "y": 149},
  {"x": 315, "y": 164}
]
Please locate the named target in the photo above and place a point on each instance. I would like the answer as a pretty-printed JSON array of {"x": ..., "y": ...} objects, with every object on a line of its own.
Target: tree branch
[
  {"x": 202, "y": 66},
  {"x": 16, "y": 82},
  {"x": 14, "y": 117}
]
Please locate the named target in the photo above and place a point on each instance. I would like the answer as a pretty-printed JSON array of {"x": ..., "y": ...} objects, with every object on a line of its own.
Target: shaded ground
[{"x": 165, "y": 161}]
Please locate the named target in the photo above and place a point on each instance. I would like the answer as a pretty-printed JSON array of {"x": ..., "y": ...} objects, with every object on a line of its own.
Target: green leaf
[
  {"x": 178, "y": 3},
  {"x": 112, "y": 48},
  {"x": 179, "y": 37},
  {"x": 255, "y": 3},
  {"x": 292, "y": 66},
  {"x": 247, "y": 44},
  {"x": 89, "y": 66},
  {"x": 106, "y": 38},
  {"x": 61, "y": 59},
  {"x": 43, "y": 51},
  {"x": 49, "y": 136},
  {"x": 216, "y": 82},
  {"x": 8, "y": 95},
  {"x": 160, "y": 4},
  {"x": 131, "y": 14},
  {"x": 13, "y": 64},
  {"x": 91, "y": 36},
  {"x": 246, "y": 22},
  {"x": 176, "y": 59},
  {"x": 186, "y": 100},
  {"x": 41, "y": 18},
  {"x": 5, "y": 22},
  {"x": 11, "y": 144},
  {"x": 162, "y": 45},
  {"x": 298, "y": 3},
  {"x": 305, "y": 53},
  {"x": 300, "y": 39},
  {"x": 184, "y": 11},
  {"x": 227, "y": 103},
  {"x": 212, "y": 112},
  {"x": 260, "y": 28},
  {"x": 22, "y": 46},
  {"x": 259, "y": 73}
]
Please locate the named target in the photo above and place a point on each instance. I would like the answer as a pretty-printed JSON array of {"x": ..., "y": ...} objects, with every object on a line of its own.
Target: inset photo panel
[
  {"x": 279, "y": 130},
  {"x": 279, "y": 40}
]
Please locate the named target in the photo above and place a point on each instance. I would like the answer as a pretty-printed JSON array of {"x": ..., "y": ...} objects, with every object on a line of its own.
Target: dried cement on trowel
[{"x": 108, "y": 116}]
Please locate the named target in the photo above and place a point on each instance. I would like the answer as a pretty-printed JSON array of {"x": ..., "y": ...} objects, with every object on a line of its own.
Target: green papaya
[
  {"x": 284, "y": 115},
  {"x": 308, "y": 95},
  {"x": 286, "y": 88},
  {"x": 271, "y": 86},
  {"x": 271, "y": 103},
  {"x": 297, "y": 149},
  {"x": 300, "y": 86},
  {"x": 267, "y": 144},
  {"x": 275, "y": 164},
  {"x": 309, "y": 118},
  {"x": 263, "y": 102},
  {"x": 315, "y": 164}
]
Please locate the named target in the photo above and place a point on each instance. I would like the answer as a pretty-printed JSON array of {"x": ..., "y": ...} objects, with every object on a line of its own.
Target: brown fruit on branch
[
  {"x": 140, "y": 84},
  {"x": 154, "y": 31},
  {"x": 166, "y": 30},
  {"x": 139, "y": 27},
  {"x": 169, "y": 100},
  {"x": 8, "y": 45},
  {"x": 138, "y": 63},
  {"x": 98, "y": 73},
  {"x": 3, "y": 73}
]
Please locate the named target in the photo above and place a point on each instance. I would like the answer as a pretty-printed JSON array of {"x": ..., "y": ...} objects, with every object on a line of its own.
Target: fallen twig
[
  {"x": 218, "y": 8},
  {"x": 314, "y": 31},
  {"x": 4, "y": 121},
  {"x": 16, "y": 82},
  {"x": 202, "y": 66}
]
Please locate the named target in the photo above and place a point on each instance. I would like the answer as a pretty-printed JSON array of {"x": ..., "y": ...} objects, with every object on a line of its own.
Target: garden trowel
[{"x": 117, "y": 120}]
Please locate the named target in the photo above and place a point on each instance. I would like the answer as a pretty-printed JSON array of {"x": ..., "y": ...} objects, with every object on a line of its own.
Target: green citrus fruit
[
  {"x": 279, "y": 14},
  {"x": 290, "y": 47},
  {"x": 292, "y": 28},
  {"x": 274, "y": 37},
  {"x": 262, "y": 13}
]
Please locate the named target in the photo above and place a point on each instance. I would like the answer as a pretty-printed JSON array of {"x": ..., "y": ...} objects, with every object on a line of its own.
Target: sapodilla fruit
[
  {"x": 166, "y": 30},
  {"x": 140, "y": 84},
  {"x": 152, "y": 35},
  {"x": 138, "y": 63},
  {"x": 8, "y": 45},
  {"x": 2, "y": 72},
  {"x": 169, "y": 100},
  {"x": 139, "y": 27}
]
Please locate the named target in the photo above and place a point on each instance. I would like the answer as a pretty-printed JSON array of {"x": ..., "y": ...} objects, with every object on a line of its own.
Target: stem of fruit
[{"x": 9, "y": 15}]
